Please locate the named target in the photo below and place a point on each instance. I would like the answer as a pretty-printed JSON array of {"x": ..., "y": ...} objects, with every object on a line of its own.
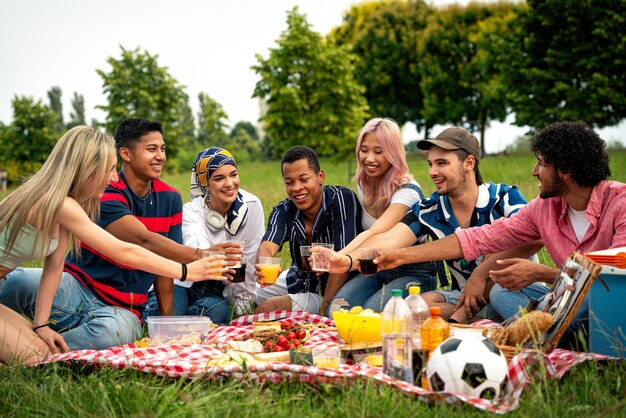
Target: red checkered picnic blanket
[{"x": 190, "y": 361}]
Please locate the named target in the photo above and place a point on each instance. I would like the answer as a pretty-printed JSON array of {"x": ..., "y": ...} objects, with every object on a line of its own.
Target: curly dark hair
[{"x": 573, "y": 147}]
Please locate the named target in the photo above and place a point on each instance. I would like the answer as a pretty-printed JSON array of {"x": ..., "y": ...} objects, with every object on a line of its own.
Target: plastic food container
[{"x": 178, "y": 329}]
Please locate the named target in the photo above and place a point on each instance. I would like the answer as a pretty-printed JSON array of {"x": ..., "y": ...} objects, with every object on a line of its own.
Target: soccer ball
[{"x": 471, "y": 366}]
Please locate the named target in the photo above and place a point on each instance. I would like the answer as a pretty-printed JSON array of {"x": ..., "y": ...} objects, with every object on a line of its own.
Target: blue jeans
[
  {"x": 374, "y": 291},
  {"x": 193, "y": 301},
  {"x": 507, "y": 303},
  {"x": 84, "y": 321}
]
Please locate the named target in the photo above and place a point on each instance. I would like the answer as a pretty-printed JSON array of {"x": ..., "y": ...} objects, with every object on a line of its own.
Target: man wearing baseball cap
[{"x": 461, "y": 200}]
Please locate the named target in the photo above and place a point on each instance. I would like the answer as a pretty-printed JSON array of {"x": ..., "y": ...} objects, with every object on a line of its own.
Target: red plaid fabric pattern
[{"x": 190, "y": 361}]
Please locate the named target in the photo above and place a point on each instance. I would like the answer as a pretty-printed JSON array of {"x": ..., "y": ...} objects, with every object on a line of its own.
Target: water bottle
[
  {"x": 419, "y": 313},
  {"x": 434, "y": 330},
  {"x": 397, "y": 361}
]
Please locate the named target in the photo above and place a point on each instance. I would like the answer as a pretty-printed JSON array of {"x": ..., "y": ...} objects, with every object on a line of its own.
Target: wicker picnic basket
[{"x": 562, "y": 302}]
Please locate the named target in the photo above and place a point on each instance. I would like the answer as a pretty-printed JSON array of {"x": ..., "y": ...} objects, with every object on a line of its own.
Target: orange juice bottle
[{"x": 434, "y": 330}]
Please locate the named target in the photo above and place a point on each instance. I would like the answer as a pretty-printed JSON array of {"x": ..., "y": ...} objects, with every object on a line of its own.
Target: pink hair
[{"x": 388, "y": 134}]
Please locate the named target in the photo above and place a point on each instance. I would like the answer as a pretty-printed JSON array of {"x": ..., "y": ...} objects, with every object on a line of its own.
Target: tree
[
  {"x": 211, "y": 123},
  {"x": 312, "y": 96},
  {"x": 572, "y": 58},
  {"x": 459, "y": 81},
  {"x": 245, "y": 126},
  {"x": 384, "y": 37},
  {"x": 136, "y": 86},
  {"x": 77, "y": 115},
  {"x": 28, "y": 140},
  {"x": 54, "y": 95}
]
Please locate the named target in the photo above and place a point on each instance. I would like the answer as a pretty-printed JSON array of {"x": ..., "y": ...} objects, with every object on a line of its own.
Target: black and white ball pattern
[{"x": 471, "y": 366}]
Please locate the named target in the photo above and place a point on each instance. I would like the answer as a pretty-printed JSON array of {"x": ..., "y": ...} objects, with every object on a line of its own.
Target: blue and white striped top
[
  {"x": 435, "y": 218},
  {"x": 338, "y": 222}
]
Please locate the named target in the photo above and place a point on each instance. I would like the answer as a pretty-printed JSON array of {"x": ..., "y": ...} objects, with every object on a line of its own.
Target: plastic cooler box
[{"x": 607, "y": 313}]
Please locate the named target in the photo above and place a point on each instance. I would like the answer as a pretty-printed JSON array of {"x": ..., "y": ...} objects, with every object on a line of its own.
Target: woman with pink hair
[{"x": 387, "y": 191}]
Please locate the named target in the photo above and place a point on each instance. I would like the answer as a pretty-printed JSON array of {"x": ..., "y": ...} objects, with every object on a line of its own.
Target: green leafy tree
[
  {"x": 77, "y": 115},
  {"x": 571, "y": 55},
  {"x": 246, "y": 126},
  {"x": 460, "y": 83},
  {"x": 28, "y": 140},
  {"x": 384, "y": 37},
  {"x": 211, "y": 123},
  {"x": 54, "y": 96},
  {"x": 312, "y": 96},
  {"x": 136, "y": 86}
]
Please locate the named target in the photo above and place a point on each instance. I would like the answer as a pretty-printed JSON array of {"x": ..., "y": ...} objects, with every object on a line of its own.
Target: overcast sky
[{"x": 208, "y": 46}]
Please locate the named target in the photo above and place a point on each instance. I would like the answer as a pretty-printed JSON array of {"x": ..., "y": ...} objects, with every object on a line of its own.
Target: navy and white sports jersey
[
  {"x": 338, "y": 222},
  {"x": 434, "y": 217},
  {"x": 111, "y": 282}
]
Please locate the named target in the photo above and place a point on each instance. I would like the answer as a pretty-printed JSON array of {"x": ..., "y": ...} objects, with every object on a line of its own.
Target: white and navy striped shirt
[
  {"x": 435, "y": 218},
  {"x": 338, "y": 222}
]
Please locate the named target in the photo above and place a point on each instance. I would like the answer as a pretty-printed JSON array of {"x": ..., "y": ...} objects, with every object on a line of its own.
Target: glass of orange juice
[
  {"x": 209, "y": 253},
  {"x": 270, "y": 267}
]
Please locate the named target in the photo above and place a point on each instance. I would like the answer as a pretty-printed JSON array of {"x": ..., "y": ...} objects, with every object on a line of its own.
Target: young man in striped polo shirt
[{"x": 311, "y": 213}]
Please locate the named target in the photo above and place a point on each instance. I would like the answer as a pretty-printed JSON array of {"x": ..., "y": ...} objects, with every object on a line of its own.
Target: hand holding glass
[
  {"x": 321, "y": 260},
  {"x": 270, "y": 267}
]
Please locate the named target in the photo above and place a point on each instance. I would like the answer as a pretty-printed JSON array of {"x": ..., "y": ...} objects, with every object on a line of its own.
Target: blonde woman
[{"x": 54, "y": 210}]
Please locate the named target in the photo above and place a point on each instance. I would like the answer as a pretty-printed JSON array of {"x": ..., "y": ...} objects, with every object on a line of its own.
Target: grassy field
[{"x": 57, "y": 390}]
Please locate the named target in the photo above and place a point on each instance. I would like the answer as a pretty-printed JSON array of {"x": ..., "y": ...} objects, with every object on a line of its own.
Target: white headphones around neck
[{"x": 213, "y": 220}]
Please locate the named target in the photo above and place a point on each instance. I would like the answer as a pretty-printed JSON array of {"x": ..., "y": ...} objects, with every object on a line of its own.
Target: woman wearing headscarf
[{"x": 219, "y": 211}]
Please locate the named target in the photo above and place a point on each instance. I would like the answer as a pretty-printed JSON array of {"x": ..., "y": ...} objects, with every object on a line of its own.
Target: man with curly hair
[{"x": 578, "y": 209}]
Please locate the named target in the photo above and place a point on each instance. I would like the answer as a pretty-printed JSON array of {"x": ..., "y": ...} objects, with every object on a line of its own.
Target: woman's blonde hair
[
  {"x": 77, "y": 166},
  {"x": 388, "y": 134}
]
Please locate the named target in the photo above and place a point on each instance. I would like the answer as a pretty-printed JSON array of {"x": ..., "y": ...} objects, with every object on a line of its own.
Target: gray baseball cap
[{"x": 451, "y": 139}]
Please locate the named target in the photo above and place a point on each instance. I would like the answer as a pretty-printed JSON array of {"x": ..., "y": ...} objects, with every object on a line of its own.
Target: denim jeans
[
  {"x": 507, "y": 303},
  {"x": 84, "y": 321},
  {"x": 374, "y": 291},
  {"x": 193, "y": 301}
]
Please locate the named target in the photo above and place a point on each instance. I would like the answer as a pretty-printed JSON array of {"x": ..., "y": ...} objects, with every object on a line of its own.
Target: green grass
[{"x": 60, "y": 390}]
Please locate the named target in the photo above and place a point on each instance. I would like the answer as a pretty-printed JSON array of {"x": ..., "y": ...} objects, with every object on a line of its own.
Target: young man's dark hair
[
  {"x": 573, "y": 147},
  {"x": 130, "y": 131},
  {"x": 300, "y": 152}
]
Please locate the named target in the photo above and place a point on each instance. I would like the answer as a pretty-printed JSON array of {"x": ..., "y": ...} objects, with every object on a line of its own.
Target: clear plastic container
[
  {"x": 397, "y": 360},
  {"x": 178, "y": 329}
]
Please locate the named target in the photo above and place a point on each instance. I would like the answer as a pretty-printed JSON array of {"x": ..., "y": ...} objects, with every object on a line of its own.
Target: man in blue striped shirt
[
  {"x": 462, "y": 200},
  {"x": 312, "y": 213}
]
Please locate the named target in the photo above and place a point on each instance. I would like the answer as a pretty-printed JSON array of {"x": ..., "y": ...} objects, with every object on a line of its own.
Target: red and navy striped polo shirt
[{"x": 111, "y": 282}]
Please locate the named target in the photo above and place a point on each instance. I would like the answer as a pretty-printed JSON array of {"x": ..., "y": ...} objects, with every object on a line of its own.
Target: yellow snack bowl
[{"x": 358, "y": 328}]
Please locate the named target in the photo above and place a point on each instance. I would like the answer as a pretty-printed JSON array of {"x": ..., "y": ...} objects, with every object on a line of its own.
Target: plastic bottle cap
[
  {"x": 414, "y": 290},
  {"x": 435, "y": 310},
  {"x": 396, "y": 292}
]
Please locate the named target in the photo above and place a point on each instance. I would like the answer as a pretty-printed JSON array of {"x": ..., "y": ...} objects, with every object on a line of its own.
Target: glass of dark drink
[
  {"x": 240, "y": 273},
  {"x": 305, "y": 253},
  {"x": 366, "y": 261}
]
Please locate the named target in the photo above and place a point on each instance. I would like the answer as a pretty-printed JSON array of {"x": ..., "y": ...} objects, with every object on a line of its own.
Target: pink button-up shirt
[{"x": 547, "y": 219}]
